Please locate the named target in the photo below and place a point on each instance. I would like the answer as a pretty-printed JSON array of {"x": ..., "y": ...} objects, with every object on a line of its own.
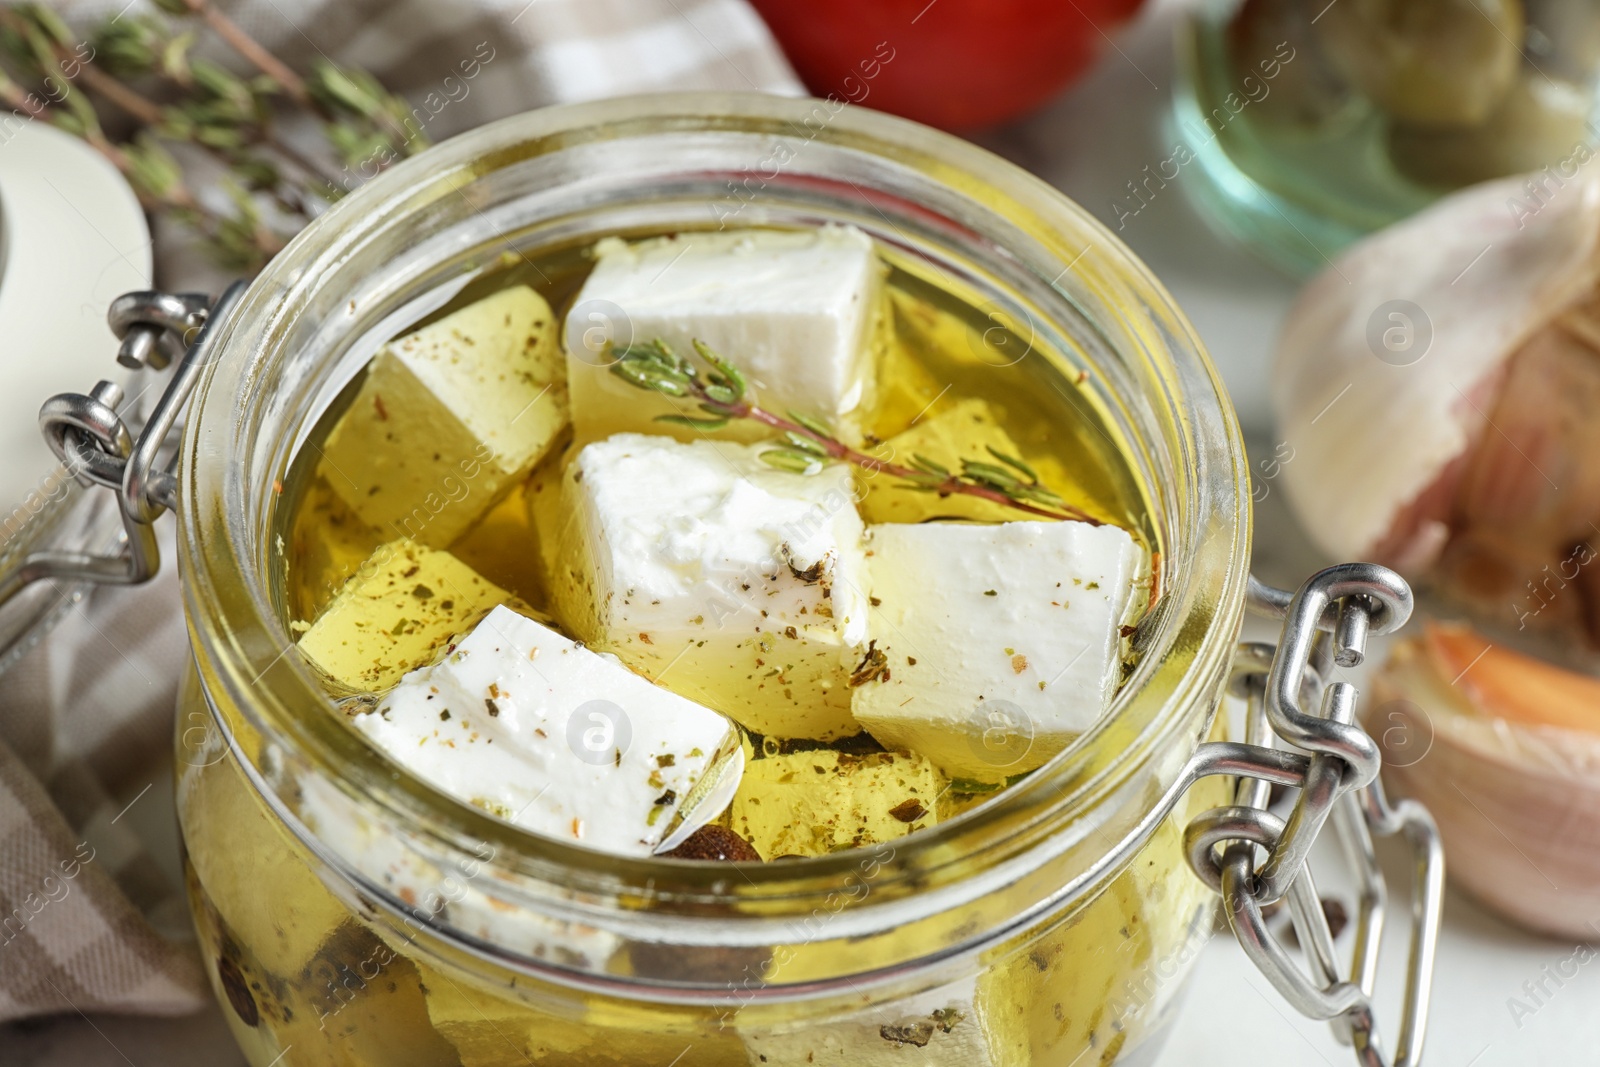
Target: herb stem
[
  {"x": 256, "y": 54},
  {"x": 721, "y": 394},
  {"x": 951, "y": 485},
  {"x": 151, "y": 114},
  {"x": 134, "y": 103},
  {"x": 27, "y": 103},
  {"x": 308, "y": 167},
  {"x": 178, "y": 196}
]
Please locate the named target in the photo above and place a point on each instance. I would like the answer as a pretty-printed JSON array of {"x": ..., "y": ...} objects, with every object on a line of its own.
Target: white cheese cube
[
  {"x": 735, "y": 584},
  {"x": 464, "y": 890},
  {"x": 814, "y": 803},
  {"x": 449, "y": 417},
  {"x": 400, "y": 607},
  {"x": 944, "y": 1027},
  {"x": 991, "y": 647},
  {"x": 489, "y": 1028},
  {"x": 552, "y": 737},
  {"x": 793, "y": 311}
]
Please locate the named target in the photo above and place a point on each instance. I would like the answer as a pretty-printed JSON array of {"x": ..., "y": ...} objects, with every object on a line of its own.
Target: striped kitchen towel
[{"x": 87, "y": 921}]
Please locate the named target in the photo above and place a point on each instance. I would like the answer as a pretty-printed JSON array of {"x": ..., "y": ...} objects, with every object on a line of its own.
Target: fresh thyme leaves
[
  {"x": 132, "y": 88},
  {"x": 807, "y": 443}
]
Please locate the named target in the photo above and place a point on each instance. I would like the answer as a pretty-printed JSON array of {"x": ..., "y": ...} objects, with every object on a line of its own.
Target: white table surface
[{"x": 1089, "y": 144}]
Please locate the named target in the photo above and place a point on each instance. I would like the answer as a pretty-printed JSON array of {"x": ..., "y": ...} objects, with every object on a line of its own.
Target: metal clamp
[
  {"x": 95, "y": 444},
  {"x": 1326, "y": 624}
]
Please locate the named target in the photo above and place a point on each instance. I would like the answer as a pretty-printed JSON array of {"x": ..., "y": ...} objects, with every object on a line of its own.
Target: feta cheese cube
[
  {"x": 960, "y": 431},
  {"x": 267, "y": 894},
  {"x": 944, "y": 1027},
  {"x": 504, "y": 1026},
  {"x": 794, "y": 311},
  {"x": 814, "y": 803},
  {"x": 450, "y": 416},
  {"x": 991, "y": 647},
  {"x": 486, "y": 1029},
  {"x": 464, "y": 889},
  {"x": 400, "y": 607},
  {"x": 552, "y": 737},
  {"x": 738, "y": 585}
]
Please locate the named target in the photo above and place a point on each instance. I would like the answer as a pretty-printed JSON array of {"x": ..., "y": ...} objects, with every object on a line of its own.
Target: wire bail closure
[
  {"x": 94, "y": 443},
  {"x": 1326, "y": 624}
]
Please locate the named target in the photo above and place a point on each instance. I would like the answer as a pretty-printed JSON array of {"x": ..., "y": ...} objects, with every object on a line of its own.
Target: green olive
[
  {"x": 1275, "y": 59},
  {"x": 1427, "y": 62},
  {"x": 1539, "y": 122}
]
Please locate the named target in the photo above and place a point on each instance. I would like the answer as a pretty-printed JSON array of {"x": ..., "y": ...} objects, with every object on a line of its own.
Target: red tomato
[{"x": 958, "y": 64}]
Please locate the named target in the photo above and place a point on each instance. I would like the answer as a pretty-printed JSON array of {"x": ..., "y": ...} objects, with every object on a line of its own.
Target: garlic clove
[
  {"x": 1526, "y": 506},
  {"x": 1390, "y": 361},
  {"x": 1505, "y": 752},
  {"x": 1501, "y": 684}
]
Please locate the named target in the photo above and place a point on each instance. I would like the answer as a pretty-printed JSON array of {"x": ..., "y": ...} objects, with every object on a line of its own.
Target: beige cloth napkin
[{"x": 87, "y": 921}]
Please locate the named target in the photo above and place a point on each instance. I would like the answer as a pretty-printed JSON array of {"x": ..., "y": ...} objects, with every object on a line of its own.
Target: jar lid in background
[{"x": 72, "y": 238}]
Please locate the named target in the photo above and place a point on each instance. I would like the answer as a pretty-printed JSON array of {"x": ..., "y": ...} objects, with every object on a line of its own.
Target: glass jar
[
  {"x": 351, "y": 914},
  {"x": 1311, "y": 124}
]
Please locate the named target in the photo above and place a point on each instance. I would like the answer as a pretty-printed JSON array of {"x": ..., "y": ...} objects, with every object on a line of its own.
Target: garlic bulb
[
  {"x": 1438, "y": 385},
  {"x": 1505, "y": 752}
]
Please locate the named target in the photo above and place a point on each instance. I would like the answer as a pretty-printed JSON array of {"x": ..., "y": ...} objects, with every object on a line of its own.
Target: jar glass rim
[{"x": 241, "y": 643}]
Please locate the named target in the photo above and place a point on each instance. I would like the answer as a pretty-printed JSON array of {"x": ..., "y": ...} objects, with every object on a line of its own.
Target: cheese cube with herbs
[
  {"x": 487, "y": 1030},
  {"x": 400, "y": 607},
  {"x": 991, "y": 647},
  {"x": 961, "y": 431},
  {"x": 450, "y": 416},
  {"x": 794, "y": 311},
  {"x": 548, "y": 735},
  {"x": 814, "y": 803},
  {"x": 481, "y": 908},
  {"x": 962, "y": 1024},
  {"x": 738, "y": 585}
]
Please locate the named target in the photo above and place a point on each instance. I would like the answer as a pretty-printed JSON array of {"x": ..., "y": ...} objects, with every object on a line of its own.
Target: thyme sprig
[
  {"x": 806, "y": 443},
  {"x": 131, "y": 87}
]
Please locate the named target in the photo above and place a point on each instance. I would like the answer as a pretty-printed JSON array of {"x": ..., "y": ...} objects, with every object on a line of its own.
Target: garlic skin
[
  {"x": 1505, "y": 752},
  {"x": 1381, "y": 420}
]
